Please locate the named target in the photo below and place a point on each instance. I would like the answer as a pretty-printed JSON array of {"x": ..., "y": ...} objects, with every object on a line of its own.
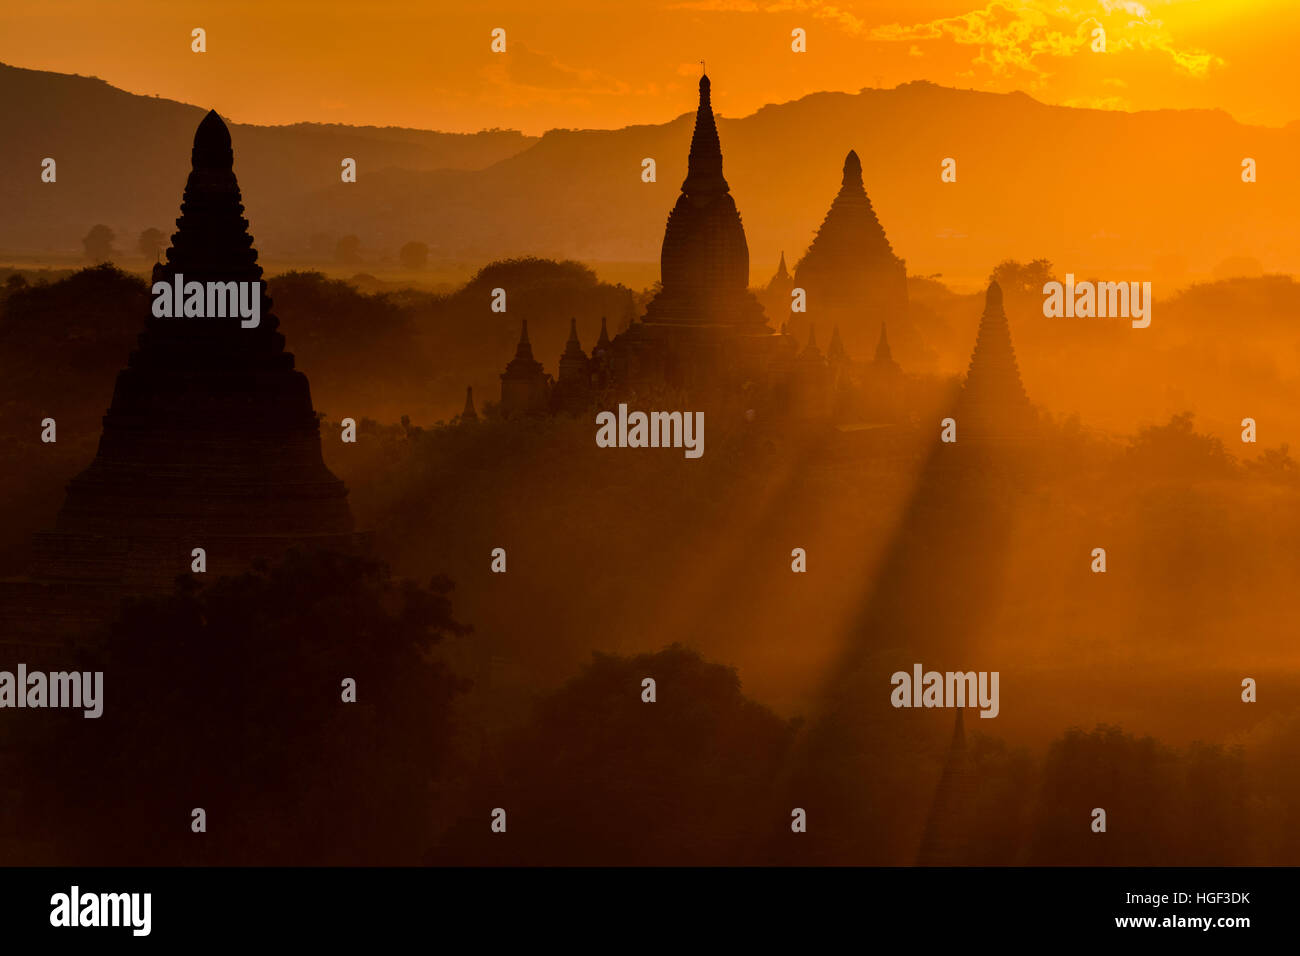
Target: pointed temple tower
[
  {"x": 211, "y": 440},
  {"x": 782, "y": 281},
  {"x": 525, "y": 387},
  {"x": 993, "y": 405},
  {"x": 835, "y": 352},
  {"x": 811, "y": 393},
  {"x": 469, "y": 415},
  {"x": 601, "y": 359},
  {"x": 850, "y": 272},
  {"x": 882, "y": 385},
  {"x": 884, "y": 355},
  {"x": 572, "y": 392},
  {"x": 776, "y": 295},
  {"x": 704, "y": 324},
  {"x": 946, "y": 837}
]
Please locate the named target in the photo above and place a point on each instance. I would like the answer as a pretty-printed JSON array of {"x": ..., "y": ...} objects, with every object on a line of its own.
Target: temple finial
[
  {"x": 704, "y": 166},
  {"x": 883, "y": 351},
  {"x": 212, "y": 148},
  {"x": 993, "y": 298},
  {"x": 852, "y": 170},
  {"x": 836, "y": 348},
  {"x": 525, "y": 348}
]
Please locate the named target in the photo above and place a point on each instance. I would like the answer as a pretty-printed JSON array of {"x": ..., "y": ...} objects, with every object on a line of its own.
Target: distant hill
[
  {"x": 1152, "y": 195},
  {"x": 122, "y": 160}
]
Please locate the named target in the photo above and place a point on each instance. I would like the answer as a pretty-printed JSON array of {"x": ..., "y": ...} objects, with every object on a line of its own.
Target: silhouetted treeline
[{"x": 231, "y": 697}]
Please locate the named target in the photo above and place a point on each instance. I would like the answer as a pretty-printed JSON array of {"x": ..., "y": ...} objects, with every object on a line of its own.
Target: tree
[
  {"x": 99, "y": 243},
  {"x": 1176, "y": 449},
  {"x": 151, "y": 243},
  {"x": 1018, "y": 279},
  {"x": 414, "y": 255},
  {"x": 599, "y": 776},
  {"x": 231, "y": 696},
  {"x": 348, "y": 250}
]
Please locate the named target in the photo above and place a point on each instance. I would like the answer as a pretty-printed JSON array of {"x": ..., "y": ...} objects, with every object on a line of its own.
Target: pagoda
[
  {"x": 572, "y": 392},
  {"x": 776, "y": 294},
  {"x": 850, "y": 272},
  {"x": 945, "y": 840},
  {"x": 882, "y": 384},
  {"x": 704, "y": 327},
  {"x": 468, "y": 414},
  {"x": 601, "y": 358},
  {"x": 993, "y": 405},
  {"x": 210, "y": 440},
  {"x": 525, "y": 386}
]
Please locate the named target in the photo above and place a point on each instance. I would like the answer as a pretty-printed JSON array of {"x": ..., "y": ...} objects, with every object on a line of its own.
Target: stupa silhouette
[
  {"x": 211, "y": 440},
  {"x": 704, "y": 327},
  {"x": 993, "y": 405},
  {"x": 850, "y": 271},
  {"x": 944, "y": 841}
]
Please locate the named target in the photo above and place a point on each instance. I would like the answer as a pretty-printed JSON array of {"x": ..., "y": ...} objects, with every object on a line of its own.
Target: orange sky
[{"x": 583, "y": 63}]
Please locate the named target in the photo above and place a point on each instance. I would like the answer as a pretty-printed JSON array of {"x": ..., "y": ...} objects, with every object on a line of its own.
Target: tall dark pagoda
[
  {"x": 210, "y": 441},
  {"x": 704, "y": 326},
  {"x": 704, "y": 262}
]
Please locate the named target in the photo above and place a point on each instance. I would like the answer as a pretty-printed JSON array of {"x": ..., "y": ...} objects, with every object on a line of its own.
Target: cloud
[
  {"x": 816, "y": 9},
  {"x": 1021, "y": 36},
  {"x": 525, "y": 67}
]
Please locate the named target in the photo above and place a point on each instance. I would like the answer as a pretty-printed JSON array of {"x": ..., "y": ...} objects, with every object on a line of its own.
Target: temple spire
[
  {"x": 603, "y": 341},
  {"x": 811, "y": 348},
  {"x": 525, "y": 349},
  {"x": 781, "y": 271},
  {"x": 946, "y": 837},
  {"x": 469, "y": 414},
  {"x": 212, "y": 147},
  {"x": 836, "y": 349},
  {"x": 525, "y": 386},
  {"x": 704, "y": 167},
  {"x": 852, "y": 171},
  {"x": 573, "y": 345},
  {"x": 883, "y": 354}
]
